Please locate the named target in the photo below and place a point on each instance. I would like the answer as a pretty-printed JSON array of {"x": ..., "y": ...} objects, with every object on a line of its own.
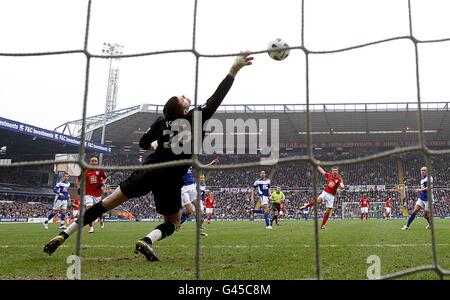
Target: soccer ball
[{"x": 277, "y": 44}]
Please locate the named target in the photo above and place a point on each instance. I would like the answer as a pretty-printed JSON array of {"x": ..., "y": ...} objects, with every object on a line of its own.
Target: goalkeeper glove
[{"x": 244, "y": 59}]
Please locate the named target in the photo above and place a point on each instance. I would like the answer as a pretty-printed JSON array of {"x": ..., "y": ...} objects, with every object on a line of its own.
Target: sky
[{"x": 47, "y": 91}]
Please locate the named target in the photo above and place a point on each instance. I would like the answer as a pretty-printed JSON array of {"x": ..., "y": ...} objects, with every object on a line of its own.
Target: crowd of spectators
[
  {"x": 294, "y": 177},
  {"x": 23, "y": 209},
  {"x": 440, "y": 169},
  {"x": 20, "y": 177},
  {"x": 5, "y": 196}
]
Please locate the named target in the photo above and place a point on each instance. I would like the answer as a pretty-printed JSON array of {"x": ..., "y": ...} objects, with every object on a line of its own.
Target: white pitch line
[{"x": 237, "y": 246}]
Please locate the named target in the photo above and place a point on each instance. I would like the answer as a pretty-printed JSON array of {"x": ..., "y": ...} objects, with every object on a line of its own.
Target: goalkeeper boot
[
  {"x": 144, "y": 246},
  {"x": 53, "y": 244},
  {"x": 428, "y": 226}
]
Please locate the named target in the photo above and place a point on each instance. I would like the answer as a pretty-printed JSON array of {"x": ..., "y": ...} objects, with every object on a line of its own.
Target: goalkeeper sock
[
  {"x": 91, "y": 214},
  {"x": 162, "y": 231},
  {"x": 411, "y": 218}
]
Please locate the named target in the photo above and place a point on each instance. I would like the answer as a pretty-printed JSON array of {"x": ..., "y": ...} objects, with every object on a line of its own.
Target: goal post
[{"x": 351, "y": 210}]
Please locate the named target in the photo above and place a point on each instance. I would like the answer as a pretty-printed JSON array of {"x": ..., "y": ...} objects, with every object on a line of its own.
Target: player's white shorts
[
  {"x": 60, "y": 204},
  {"x": 189, "y": 194},
  {"x": 209, "y": 210},
  {"x": 281, "y": 213},
  {"x": 364, "y": 210},
  {"x": 91, "y": 200},
  {"x": 329, "y": 199},
  {"x": 75, "y": 213},
  {"x": 422, "y": 204},
  {"x": 388, "y": 210},
  {"x": 264, "y": 200}
]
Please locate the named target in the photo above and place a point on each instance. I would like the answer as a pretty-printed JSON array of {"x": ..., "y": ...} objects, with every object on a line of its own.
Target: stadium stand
[
  {"x": 378, "y": 178},
  {"x": 232, "y": 187}
]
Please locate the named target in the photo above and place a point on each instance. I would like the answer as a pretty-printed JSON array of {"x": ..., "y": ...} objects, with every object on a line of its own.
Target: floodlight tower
[{"x": 113, "y": 85}]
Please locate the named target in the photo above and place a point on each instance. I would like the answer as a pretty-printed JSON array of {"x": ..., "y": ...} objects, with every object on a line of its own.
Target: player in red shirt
[
  {"x": 387, "y": 214},
  {"x": 209, "y": 205},
  {"x": 95, "y": 179},
  {"x": 282, "y": 210},
  {"x": 75, "y": 209},
  {"x": 364, "y": 205},
  {"x": 333, "y": 182}
]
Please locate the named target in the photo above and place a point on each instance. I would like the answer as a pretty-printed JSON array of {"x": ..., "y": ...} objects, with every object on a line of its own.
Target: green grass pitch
[{"x": 233, "y": 250}]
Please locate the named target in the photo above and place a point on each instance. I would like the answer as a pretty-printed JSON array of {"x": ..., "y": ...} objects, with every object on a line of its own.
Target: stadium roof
[
  {"x": 27, "y": 142},
  {"x": 358, "y": 124}
]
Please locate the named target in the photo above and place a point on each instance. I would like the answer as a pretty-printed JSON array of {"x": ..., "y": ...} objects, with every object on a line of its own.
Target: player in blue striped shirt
[
  {"x": 60, "y": 203},
  {"x": 422, "y": 201},
  {"x": 262, "y": 189}
]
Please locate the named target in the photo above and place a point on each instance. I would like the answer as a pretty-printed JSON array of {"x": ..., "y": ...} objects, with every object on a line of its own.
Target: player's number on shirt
[{"x": 93, "y": 179}]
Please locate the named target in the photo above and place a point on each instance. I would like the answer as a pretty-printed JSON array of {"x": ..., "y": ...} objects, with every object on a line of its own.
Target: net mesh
[{"x": 309, "y": 158}]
